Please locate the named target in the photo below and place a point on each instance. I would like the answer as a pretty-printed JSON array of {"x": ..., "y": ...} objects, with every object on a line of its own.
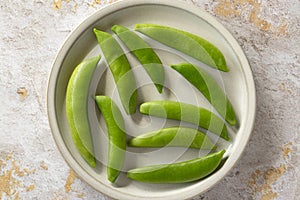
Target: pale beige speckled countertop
[{"x": 31, "y": 33}]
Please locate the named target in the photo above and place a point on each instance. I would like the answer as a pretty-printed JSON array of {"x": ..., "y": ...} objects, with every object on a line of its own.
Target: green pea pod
[
  {"x": 188, "y": 113},
  {"x": 144, "y": 53},
  {"x": 120, "y": 69},
  {"x": 117, "y": 137},
  {"x": 187, "y": 43},
  {"x": 173, "y": 137},
  {"x": 181, "y": 172},
  {"x": 209, "y": 88},
  {"x": 77, "y": 108}
]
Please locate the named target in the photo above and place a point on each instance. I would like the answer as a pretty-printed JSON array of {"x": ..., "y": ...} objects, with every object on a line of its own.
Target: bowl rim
[{"x": 114, "y": 7}]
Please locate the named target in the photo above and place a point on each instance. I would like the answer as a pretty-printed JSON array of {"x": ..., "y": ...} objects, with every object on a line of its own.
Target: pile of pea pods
[{"x": 189, "y": 44}]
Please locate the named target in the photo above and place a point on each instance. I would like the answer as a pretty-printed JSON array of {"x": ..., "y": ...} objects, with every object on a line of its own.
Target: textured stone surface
[{"x": 31, "y": 33}]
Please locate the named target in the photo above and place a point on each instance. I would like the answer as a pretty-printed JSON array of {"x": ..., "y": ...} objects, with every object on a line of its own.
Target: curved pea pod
[
  {"x": 187, "y": 43},
  {"x": 181, "y": 172},
  {"x": 209, "y": 88},
  {"x": 121, "y": 70},
  {"x": 117, "y": 137},
  {"x": 173, "y": 137},
  {"x": 77, "y": 108},
  {"x": 188, "y": 113},
  {"x": 144, "y": 54}
]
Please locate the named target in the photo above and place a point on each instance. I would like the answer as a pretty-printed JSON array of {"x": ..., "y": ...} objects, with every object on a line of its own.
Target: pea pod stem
[
  {"x": 180, "y": 172},
  {"x": 187, "y": 43},
  {"x": 209, "y": 88},
  {"x": 121, "y": 70},
  {"x": 173, "y": 137},
  {"x": 77, "y": 108},
  {"x": 144, "y": 54},
  {"x": 188, "y": 113},
  {"x": 117, "y": 137}
]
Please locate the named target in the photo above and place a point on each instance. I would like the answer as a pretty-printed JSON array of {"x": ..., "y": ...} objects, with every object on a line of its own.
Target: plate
[{"x": 81, "y": 44}]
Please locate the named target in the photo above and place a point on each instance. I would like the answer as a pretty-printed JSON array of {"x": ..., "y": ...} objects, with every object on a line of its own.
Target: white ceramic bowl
[{"x": 81, "y": 44}]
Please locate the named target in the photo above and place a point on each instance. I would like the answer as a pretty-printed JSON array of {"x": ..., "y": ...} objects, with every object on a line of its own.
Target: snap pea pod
[
  {"x": 188, "y": 113},
  {"x": 77, "y": 108},
  {"x": 187, "y": 43},
  {"x": 116, "y": 135},
  {"x": 180, "y": 172},
  {"x": 120, "y": 69},
  {"x": 173, "y": 137},
  {"x": 144, "y": 53},
  {"x": 209, "y": 88}
]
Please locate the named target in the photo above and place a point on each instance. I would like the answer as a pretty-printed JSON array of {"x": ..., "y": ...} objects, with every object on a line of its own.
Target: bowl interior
[{"x": 82, "y": 44}]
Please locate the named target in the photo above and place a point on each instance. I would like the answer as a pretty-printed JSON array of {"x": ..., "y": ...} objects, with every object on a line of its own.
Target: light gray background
[{"x": 32, "y": 31}]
